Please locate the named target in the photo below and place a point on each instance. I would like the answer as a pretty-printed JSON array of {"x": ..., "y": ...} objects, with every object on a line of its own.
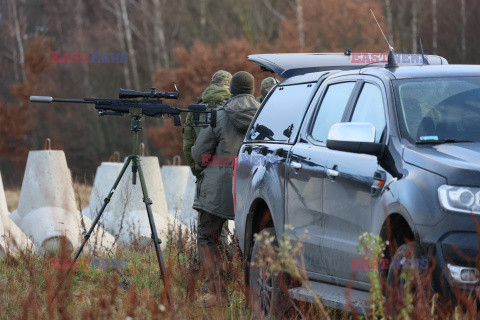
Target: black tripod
[{"x": 136, "y": 114}]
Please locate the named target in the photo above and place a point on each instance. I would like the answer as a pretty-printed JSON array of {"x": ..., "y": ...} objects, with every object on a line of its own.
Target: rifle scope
[{"x": 131, "y": 94}]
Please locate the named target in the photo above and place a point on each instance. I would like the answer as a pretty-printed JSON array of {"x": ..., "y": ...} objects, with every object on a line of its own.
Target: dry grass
[
  {"x": 82, "y": 191},
  {"x": 12, "y": 198},
  {"x": 28, "y": 282},
  {"x": 27, "y": 285}
]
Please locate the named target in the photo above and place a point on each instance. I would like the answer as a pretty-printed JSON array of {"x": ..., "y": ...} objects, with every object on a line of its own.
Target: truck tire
[
  {"x": 268, "y": 292},
  {"x": 401, "y": 261}
]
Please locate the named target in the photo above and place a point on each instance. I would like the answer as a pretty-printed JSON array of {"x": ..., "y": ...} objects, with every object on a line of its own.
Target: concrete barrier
[
  {"x": 126, "y": 217},
  {"x": 47, "y": 206},
  {"x": 15, "y": 217},
  {"x": 179, "y": 185},
  {"x": 3, "y": 199},
  {"x": 12, "y": 239},
  {"x": 105, "y": 176},
  {"x": 47, "y": 227}
]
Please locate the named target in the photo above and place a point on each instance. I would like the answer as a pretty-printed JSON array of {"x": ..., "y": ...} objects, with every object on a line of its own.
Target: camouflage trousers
[{"x": 209, "y": 242}]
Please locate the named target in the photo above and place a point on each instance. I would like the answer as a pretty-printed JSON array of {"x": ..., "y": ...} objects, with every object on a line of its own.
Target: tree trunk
[
  {"x": 203, "y": 18},
  {"x": 121, "y": 40},
  {"x": 147, "y": 40},
  {"x": 18, "y": 36},
  {"x": 434, "y": 26},
  {"x": 300, "y": 24},
  {"x": 130, "y": 47},
  {"x": 388, "y": 9},
  {"x": 160, "y": 49},
  {"x": 463, "y": 30},
  {"x": 78, "y": 17},
  {"x": 414, "y": 26}
]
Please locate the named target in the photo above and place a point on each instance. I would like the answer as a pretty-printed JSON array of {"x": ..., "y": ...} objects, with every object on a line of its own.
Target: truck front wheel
[{"x": 267, "y": 298}]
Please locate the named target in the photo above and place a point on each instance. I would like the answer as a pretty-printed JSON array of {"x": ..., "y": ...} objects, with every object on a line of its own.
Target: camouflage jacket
[{"x": 215, "y": 97}]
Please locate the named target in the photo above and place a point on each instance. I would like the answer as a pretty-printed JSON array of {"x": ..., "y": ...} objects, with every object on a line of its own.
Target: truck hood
[{"x": 459, "y": 163}]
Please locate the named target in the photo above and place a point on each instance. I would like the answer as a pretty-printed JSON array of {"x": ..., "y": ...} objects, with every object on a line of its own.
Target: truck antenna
[
  {"x": 424, "y": 59},
  {"x": 392, "y": 60},
  {"x": 389, "y": 46}
]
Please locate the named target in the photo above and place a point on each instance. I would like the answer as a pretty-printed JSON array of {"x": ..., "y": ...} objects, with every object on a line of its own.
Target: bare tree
[
  {"x": 414, "y": 25},
  {"x": 117, "y": 12},
  {"x": 273, "y": 10},
  {"x": 130, "y": 46},
  {"x": 160, "y": 48},
  {"x": 203, "y": 17},
  {"x": 78, "y": 15},
  {"x": 434, "y": 26},
  {"x": 388, "y": 9},
  {"x": 18, "y": 36},
  {"x": 300, "y": 24},
  {"x": 463, "y": 30}
]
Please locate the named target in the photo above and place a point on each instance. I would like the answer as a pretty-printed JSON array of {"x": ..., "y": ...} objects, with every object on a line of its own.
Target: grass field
[{"x": 134, "y": 291}]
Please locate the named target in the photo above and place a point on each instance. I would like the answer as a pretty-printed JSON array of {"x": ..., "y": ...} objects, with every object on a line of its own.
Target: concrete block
[
  {"x": 126, "y": 216},
  {"x": 12, "y": 239},
  {"x": 179, "y": 185},
  {"x": 15, "y": 217},
  {"x": 47, "y": 183},
  {"x": 105, "y": 176},
  {"x": 3, "y": 199},
  {"x": 47, "y": 205}
]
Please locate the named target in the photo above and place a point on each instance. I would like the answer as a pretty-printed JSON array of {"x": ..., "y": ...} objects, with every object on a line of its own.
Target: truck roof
[
  {"x": 288, "y": 65},
  {"x": 427, "y": 71}
]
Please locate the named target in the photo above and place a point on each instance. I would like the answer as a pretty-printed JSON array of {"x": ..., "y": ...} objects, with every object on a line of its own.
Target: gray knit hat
[{"x": 242, "y": 83}]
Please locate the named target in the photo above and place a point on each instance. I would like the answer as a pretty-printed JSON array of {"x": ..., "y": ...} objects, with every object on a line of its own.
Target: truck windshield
[{"x": 436, "y": 110}]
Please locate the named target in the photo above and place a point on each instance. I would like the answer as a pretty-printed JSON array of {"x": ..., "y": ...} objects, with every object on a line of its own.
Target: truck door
[
  {"x": 347, "y": 197},
  {"x": 306, "y": 172}
]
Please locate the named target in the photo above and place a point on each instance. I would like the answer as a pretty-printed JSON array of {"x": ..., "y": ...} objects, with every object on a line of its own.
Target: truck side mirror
[{"x": 356, "y": 137}]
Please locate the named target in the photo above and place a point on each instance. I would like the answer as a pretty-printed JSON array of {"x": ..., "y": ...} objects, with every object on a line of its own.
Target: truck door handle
[
  {"x": 332, "y": 173},
  {"x": 295, "y": 165}
]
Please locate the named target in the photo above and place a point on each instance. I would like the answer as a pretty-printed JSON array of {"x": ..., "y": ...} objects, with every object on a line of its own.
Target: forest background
[{"x": 180, "y": 42}]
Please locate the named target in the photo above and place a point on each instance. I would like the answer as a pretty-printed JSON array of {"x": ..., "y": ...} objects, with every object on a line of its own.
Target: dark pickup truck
[{"x": 339, "y": 149}]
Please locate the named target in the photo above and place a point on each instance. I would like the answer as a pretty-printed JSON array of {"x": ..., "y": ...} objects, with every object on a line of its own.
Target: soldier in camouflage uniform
[
  {"x": 267, "y": 84},
  {"x": 215, "y": 150},
  {"x": 215, "y": 95}
]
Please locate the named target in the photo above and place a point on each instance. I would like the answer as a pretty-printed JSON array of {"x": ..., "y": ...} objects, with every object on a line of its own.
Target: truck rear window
[{"x": 282, "y": 114}]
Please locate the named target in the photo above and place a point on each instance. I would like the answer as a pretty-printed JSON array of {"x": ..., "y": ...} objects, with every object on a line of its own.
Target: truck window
[
  {"x": 369, "y": 108},
  {"x": 331, "y": 110},
  {"x": 282, "y": 114}
]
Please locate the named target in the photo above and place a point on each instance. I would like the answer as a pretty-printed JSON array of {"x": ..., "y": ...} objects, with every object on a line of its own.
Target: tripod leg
[
  {"x": 156, "y": 240},
  {"x": 87, "y": 235}
]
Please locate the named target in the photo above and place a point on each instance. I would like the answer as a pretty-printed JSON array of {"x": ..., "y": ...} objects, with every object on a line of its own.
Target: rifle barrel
[{"x": 70, "y": 100}]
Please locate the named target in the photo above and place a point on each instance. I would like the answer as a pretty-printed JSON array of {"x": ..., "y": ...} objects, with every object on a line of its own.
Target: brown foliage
[
  {"x": 196, "y": 67},
  {"x": 197, "y": 64},
  {"x": 13, "y": 128},
  {"x": 16, "y": 121},
  {"x": 329, "y": 26},
  {"x": 167, "y": 137},
  {"x": 333, "y": 25}
]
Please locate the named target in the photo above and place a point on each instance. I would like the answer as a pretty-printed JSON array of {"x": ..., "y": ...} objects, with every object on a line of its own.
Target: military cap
[
  {"x": 267, "y": 84},
  {"x": 221, "y": 77}
]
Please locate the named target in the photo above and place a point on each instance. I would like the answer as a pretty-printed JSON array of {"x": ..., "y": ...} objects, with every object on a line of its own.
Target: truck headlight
[{"x": 460, "y": 199}]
